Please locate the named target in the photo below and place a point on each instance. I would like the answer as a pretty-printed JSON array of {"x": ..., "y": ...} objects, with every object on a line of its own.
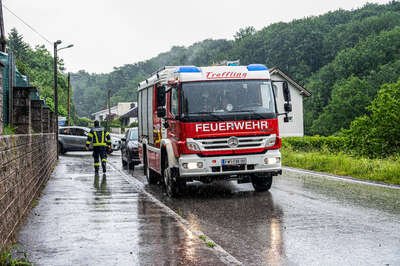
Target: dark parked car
[{"x": 130, "y": 148}]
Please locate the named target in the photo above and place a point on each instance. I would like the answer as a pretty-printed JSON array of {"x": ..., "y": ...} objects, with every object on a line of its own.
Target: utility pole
[
  {"x": 2, "y": 33},
  {"x": 69, "y": 98},
  {"x": 109, "y": 109},
  {"x": 55, "y": 69}
]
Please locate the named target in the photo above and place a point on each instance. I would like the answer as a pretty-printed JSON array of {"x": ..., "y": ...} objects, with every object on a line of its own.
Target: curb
[
  {"x": 338, "y": 177},
  {"x": 221, "y": 253}
]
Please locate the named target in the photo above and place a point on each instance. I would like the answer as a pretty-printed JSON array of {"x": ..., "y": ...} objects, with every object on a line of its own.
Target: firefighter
[{"x": 101, "y": 142}]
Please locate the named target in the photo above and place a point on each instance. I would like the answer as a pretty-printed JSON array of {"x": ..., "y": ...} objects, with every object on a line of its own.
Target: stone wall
[
  {"x": 26, "y": 163},
  {"x": 1, "y": 99}
]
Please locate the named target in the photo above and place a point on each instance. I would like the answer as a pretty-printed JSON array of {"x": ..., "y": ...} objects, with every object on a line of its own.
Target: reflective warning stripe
[
  {"x": 99, "y": 144},
  {"x": 102, "y": 136},
  {"x": 90, "y": 135},
  {"x": 96, "y": 164},
  {"x": 96, "y": 137},
  {"x": 104, "y": 160},
  {"x": 87, "y": 142}
]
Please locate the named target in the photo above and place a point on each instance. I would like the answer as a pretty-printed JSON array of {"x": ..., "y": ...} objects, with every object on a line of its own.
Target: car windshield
[
  {"x": 227, "y": 98},
  {"x": 133, "y": 135}
]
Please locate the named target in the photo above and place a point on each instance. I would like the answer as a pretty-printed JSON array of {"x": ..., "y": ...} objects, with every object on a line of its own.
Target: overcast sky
[{"x": 114, "y": 33}]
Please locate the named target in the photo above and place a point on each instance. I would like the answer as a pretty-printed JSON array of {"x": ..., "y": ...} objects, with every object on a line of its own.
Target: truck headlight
[
  {"x": 273, "y": 160},
  {"x": 192, "y": 146},
  {"x": 192, "y": 165},
  {"x": 270, "y": 141}
]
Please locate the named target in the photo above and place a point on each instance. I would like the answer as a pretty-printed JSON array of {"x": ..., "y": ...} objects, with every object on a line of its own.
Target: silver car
[{"x": 73, "y": 138}]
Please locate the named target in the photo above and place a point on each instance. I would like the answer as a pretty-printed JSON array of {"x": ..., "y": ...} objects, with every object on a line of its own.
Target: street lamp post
[{"x": 55, "y": 66}]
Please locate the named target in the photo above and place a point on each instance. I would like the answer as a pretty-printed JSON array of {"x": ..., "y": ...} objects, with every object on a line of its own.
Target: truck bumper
[{"x": 193, "y": 165}]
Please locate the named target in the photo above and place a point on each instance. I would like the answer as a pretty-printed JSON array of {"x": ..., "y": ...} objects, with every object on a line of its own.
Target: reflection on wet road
[
  {"x": 83, "y": 219},
  {"x": 303, "y": 220}
]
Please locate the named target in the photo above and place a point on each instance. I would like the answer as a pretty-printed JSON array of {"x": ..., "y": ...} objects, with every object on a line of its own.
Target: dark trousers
[{"x": 100, "y": 153}]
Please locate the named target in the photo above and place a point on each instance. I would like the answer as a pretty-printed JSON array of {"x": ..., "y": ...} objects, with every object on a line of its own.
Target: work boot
[{"x": 96, "y": 169}]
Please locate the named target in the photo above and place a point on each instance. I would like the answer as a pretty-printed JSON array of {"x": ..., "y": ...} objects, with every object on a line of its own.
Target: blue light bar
[
  {"x": 257, "y": 67},
  {"x": 188, "y": 69}
]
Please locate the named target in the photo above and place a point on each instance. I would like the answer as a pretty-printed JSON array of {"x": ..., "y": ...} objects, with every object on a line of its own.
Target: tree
[
  {"x": 378, "y": 134},
  {"x": 244, "y": 33},
  {"x": 349, "y": 99}
]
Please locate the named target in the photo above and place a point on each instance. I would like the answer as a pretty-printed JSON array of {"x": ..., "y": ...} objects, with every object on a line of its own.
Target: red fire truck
[{"x": 210, "y": 123}]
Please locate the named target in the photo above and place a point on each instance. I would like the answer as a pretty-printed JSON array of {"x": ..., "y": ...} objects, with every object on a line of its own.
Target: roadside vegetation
[
  {"x": 369, "y": 149},
  {"x": 379, "y": 170},
  {"x": 6, "y": 259}
]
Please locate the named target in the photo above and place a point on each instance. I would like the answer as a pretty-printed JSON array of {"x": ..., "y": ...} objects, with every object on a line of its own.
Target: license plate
[{"x": 233, "y": 161}]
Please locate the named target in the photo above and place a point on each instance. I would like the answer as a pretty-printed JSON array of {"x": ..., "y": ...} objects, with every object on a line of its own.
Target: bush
[
  {"x": 83, "y": 122},
  {"x": 378, "y": 134},
  {"x": 133, "y": 124},
  {"x": 316, "y": 143}
]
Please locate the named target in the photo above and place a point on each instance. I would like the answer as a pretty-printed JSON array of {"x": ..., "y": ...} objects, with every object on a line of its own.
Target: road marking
[
  {"x": 221, "y": 253},
  {"x": 337, "y": 177}
]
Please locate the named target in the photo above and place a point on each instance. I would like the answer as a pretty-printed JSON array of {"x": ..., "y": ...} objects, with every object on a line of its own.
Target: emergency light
[
  {"x": 257, "y": 67},
  {"x": 188, "y": 69}
]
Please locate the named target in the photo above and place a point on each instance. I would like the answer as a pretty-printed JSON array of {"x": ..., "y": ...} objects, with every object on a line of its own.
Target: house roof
[
  {"x": 303, "y": 91},
  {"x": 133, "y": 112}
]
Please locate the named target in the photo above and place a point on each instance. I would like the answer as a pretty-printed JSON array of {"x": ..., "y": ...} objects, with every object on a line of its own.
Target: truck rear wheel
[
  {"x": 152, "y": 176},
  {"x": 261, "y": 183}
]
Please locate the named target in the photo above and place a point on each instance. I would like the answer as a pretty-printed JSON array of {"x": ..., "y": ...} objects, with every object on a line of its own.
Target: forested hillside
[
  {"x": 37, "y": 64},
  {"x": 342, "y": 57}
]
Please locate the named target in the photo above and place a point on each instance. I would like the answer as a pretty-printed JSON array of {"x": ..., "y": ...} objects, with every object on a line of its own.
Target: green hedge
[{"x": 316, "y": 143}]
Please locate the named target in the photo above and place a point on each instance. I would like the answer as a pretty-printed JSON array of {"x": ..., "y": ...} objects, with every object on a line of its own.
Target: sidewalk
[{"x": 83, "y": 220}]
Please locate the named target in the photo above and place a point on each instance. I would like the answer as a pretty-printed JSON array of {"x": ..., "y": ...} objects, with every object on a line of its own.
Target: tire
[
  {"x": 173, "y": 185},
  {"x": 131, "y": 166},
  {"x": 261, "y": 183},
  {"x": 124, "y": 164},
  {"x": 152, "y": 177},
  {"x": 144, "y": 160},
  {"x": 61, "y": 149}
]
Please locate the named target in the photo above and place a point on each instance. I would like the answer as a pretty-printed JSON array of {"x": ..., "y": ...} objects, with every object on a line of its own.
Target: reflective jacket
[{"x": 99, "y": 137}]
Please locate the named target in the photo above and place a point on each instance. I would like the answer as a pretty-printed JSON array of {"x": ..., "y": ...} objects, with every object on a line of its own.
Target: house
[
  {"x": 295, "y": 127},
  {"x": 129, "y": 117},
  {"x": 116, "y": 111}
]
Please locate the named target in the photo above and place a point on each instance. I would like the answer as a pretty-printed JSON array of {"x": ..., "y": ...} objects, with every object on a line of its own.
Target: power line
[{"x": 26, "y": 24}]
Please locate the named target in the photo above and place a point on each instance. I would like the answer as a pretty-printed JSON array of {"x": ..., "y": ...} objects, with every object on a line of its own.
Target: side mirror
[
  {"x": 286, "y": 91},
  {"x": 288, "y": 107},
  {"x": 160, "y": 96},
  {"x": 161, "y": 112},
  {"x": 123, "y": 139}
]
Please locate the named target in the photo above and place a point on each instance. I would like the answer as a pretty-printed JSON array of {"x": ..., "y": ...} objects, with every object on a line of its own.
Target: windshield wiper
[
  {"x": 250, "y": 112},
  {"x": 208, "y": 113}
]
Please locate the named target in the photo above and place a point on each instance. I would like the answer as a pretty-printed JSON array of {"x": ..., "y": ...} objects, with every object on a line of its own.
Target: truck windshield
[{"x": 227, "y": 99}]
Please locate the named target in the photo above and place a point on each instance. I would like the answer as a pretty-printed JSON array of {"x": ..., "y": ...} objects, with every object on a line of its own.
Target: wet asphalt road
[{"x": 302, "y": 220}]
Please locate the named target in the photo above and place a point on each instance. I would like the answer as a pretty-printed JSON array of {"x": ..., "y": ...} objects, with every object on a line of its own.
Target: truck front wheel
[
  {"x": 173, "y": 185},
  {"x": 261, "y": 182}
]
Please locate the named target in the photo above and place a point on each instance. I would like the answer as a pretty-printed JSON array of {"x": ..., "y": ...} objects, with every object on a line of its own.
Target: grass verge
[
  {"x": 6, "y": 259},
  {"x": 380, "y": 170}
]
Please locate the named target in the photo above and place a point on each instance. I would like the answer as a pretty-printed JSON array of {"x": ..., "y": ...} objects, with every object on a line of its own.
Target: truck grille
[{"x": 229, "y": 143}]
